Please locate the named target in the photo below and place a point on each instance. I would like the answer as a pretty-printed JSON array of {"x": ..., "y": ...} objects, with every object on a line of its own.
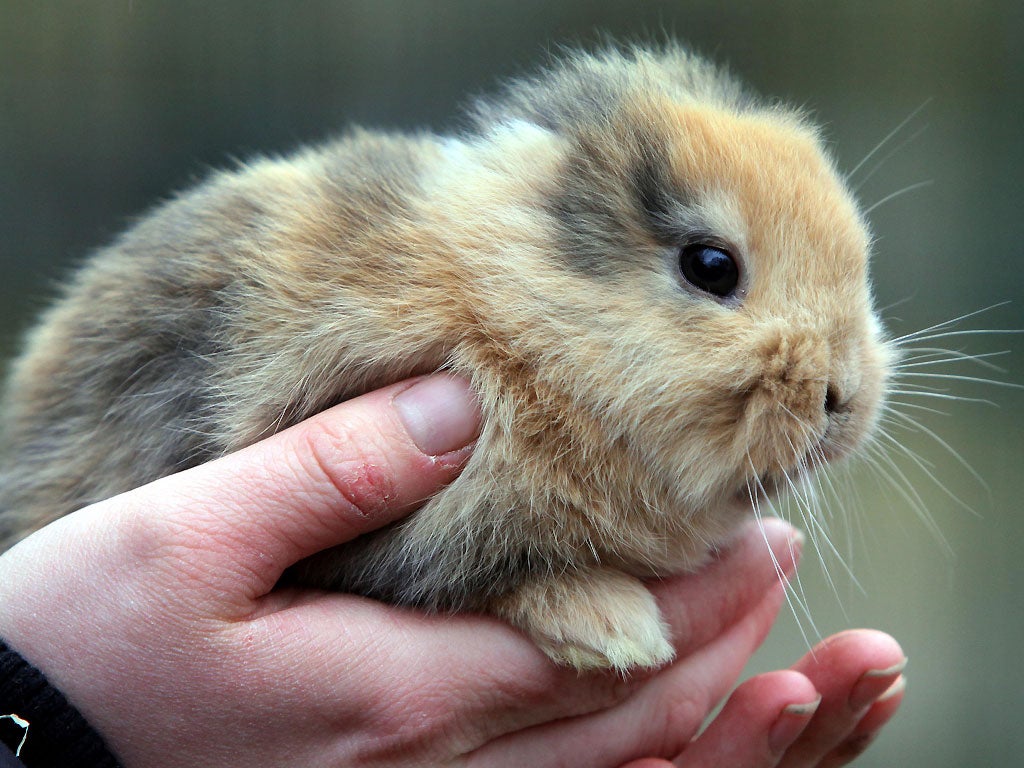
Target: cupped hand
[
  {"x": 155, "y": 613},
  {"x": 851, "y": 685}
]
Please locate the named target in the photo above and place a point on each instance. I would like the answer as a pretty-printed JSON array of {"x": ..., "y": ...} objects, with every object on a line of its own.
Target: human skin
[{"x": 155, "y": 613}]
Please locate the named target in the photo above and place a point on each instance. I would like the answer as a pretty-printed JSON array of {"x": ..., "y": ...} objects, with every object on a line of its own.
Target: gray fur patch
[{"x": 442, "y": 575}]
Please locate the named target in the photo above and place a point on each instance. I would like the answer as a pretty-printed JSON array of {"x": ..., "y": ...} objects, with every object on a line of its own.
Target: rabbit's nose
[{"x": 833, "y": 403}]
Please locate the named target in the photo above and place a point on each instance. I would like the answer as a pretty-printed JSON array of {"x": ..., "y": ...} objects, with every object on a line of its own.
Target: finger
[
  {"x": 700, "y": 606},
  {"x": 472, "y": 678},
  {"x": 345, "y": 471},
  {"x": 659, "y": 719},
  {"x": 550, "y": 692},
  {"x": 867, "y": 730},
  {"x": 851, "y": 671},
  {"x": 506, "y": 677},
  {"x": 759, "y": 721}
]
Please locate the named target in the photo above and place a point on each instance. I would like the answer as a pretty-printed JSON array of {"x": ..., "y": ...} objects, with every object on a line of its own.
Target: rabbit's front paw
[{"x": 592, "y": 619}]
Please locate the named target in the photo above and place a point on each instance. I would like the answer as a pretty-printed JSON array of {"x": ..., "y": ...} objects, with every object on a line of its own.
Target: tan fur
[{"x": 628, "y": 415}]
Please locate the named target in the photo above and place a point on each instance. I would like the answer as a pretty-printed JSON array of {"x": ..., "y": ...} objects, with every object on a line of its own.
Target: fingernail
[
  {"x": 440, "y": 413},
  {"x": 796, "y": 549},
  {"x": 798, "y": 539},
  {"x": 896, "y": 688},
  {"x": 874, "y": 684},
  {"x": 786, "y": 543},
  {"x": 791, "y": 724}
]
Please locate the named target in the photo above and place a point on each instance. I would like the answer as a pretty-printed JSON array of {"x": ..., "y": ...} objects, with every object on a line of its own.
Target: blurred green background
[{"x": 106, "y": 106}]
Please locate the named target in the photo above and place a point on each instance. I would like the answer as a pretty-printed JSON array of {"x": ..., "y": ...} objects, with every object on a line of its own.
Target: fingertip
[
  {"x": 440, "y": 413},
  {"x": 894, "y": 691},
  {"x": 874, "y": 684},
  {"x": 363, "y": 463},
  {"x": 868, "y": 728},
  {"x": 772, "y": 541},
  {"x": 857, "y": 673},
  {"x": 785, "y": 542},
  {"x": 777, "y": 691},
  {"x": 743, "y": 579},
  {"x": 884, "y": 645},
  {"x": 885, "y": 706},
  {"x": 867, "y": 656},
  {"x": 761, "y": 718}
]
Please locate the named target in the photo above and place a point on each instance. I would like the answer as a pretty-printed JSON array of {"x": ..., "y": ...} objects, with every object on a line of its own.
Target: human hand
[
  {"x": 154, "y": 613},
  {"x": 853, "y": 683}
]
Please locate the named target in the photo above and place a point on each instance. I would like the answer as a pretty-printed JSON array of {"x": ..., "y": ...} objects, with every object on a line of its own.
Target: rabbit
[{"x": 656, "y": 282}]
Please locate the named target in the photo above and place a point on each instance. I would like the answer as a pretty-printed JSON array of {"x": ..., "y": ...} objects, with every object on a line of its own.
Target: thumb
[{"x": 348, "y": 470}]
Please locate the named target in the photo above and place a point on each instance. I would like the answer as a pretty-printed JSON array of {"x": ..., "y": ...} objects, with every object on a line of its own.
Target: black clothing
[{"x": 58, "y": 736}]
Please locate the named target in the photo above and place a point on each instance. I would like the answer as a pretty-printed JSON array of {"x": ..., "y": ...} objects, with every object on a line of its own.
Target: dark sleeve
[
  {"x": 7, "y": 758},
  {"x": 58, "y": 736}
]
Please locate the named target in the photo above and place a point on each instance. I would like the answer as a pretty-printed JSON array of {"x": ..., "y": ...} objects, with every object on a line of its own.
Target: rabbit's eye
[{"x": 709, "y": 268}]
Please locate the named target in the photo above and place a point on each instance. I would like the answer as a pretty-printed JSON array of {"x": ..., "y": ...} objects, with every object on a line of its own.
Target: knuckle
[
  {"x": 679, "y": 715},
  {"x": 419, "y": 718},
  {"x": 350, "y": 468},
  {"x": 532, "y": 689}
]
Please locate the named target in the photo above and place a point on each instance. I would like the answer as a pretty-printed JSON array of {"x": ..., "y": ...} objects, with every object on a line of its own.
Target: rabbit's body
[{"x": 629, "y": 412}]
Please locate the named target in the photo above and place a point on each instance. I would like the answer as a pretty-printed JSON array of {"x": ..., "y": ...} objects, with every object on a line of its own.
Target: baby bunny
[{"x": 656, "y": 282}]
